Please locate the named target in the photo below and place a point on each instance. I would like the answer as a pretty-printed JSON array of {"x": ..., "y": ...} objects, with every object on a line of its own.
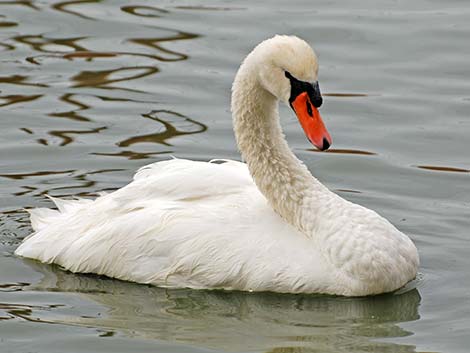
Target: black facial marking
[{"x": 298, "y": 87}]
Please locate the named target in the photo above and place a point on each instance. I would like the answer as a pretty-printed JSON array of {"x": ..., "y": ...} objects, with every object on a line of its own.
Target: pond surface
[{"x": 91, "y": 90}]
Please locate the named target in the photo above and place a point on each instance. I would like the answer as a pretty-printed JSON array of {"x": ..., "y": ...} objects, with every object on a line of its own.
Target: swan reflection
[{"x": 237, "y": 321}]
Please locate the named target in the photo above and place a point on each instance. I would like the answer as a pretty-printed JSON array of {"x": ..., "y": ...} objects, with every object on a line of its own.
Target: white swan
[{"x": 182, "y": 223}]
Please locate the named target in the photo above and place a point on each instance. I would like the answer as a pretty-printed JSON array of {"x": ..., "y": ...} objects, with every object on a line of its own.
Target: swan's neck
[{"x": 278, "y": 173}]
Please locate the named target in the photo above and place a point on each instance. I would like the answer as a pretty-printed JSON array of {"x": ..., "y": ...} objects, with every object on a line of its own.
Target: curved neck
[{"x": 282, "y": 178}]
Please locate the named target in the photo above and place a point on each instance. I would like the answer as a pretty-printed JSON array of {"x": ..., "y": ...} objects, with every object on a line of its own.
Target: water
[{"x": 92, "y": 90}]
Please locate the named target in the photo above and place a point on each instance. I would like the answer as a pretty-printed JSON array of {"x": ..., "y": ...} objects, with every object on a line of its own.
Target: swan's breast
[{"x": 367, "y": 252}]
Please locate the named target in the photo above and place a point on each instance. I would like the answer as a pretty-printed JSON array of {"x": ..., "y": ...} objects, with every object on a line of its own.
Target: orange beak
[{"x": 311, "y": 122}]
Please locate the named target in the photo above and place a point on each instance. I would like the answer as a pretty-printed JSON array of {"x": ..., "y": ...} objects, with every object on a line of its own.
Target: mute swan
[{"x": 267, "y": 225}]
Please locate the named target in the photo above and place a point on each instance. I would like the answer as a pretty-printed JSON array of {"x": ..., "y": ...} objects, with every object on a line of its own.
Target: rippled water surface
[{"x": 91, "y": 90}]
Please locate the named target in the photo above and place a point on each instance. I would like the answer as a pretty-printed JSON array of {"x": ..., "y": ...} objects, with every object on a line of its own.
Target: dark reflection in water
[
  {"x": 169, "y": 124},
  {"x": 133, "y": 154},
  {"x": 17, "y": 98},
  {"x": 444, "y": 169},
  {"x": 77, "y": 183},
  {"x": 101, "y": 79},
  {"x": 89, "y": 55},
  {"x": 20, "y": 176},
  {"x": 154, "y": 43},
  {"x": 69, "y": 98},
  {"x": 19, "y": 80},
  {"x": 24, "y": 312},
  {"x": 346, "y": 95},
  {"x": 173, "y": 124},
  {"x": 349, "y": 191},
  {"x": 209, "y": 8},
  {"x": 40, "y": 43},
  {"x": 64, "y": 135},
  {"x": 237, "y": 321},
  {"x": 62, "y": 7},
  {"x": 343, "y": 151},
  {"x": 144, "y": 11},
  {"x": 8, "y": 24},
  {"x": 13, "y": 287},
  {"x": 6, "y": 46},
  {"x": 27, "y": 3}
]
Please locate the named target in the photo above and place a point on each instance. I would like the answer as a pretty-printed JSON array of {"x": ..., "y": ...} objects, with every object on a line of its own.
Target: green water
[{"x": 92, "y": 90}]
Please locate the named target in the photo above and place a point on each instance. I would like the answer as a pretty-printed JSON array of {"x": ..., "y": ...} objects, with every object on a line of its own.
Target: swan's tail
[{"x": 42, "y": 218}]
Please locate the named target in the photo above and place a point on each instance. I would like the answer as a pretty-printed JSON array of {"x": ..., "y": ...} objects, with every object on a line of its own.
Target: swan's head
[{"x": 287, "y": 67}]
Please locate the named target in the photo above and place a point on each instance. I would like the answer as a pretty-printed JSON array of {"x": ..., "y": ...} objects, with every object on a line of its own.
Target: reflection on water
[
  {"x": 49, "y": 45},
  {"x": 6, "y": 46},
  {"x": 346, "y": 95},
  {"x": 153, "y": 43},
  {"x": 209, "y": 8},
  {"x": 69, "y": 98},
  {"x": 25, "y": 312},
  {"x": 89, "y": 55},
  {"x": 76, "y": 181},
  {"x": 343, "y": 151},
  {"x": 144, "y": 11},
  {"x": 33, "y": 174},
  {"x": 348, "y": 191},
  {"x": 133, "y": 154},
  {"x": 102, "y": 79},
  {"x": 173, "y": 124},
  {"x": 65, "y": 135},
  {"x": 236, "y": 321},
  {"x": 12, "y": 287},
  {"x": 17, "y": 98},
  {"x": 57, "y": 46},
  {"x": 27, "y": 3},
  {"x": 19, "y": 80},
  {"x": 444, "y": 169},
  {"x": 62, "y": 6}
]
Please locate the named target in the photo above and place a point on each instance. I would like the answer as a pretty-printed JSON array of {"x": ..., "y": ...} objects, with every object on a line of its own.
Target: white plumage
[{"x": 267, "y": 225}]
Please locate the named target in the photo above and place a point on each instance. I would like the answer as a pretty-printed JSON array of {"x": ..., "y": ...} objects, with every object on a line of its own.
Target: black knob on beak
[{"x": 315, "y": 95}]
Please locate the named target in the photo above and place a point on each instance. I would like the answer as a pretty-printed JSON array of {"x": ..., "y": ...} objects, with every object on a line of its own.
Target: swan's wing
[
  {"x": 179, "y": 223},
  {"x": 179, "y": 179}
]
